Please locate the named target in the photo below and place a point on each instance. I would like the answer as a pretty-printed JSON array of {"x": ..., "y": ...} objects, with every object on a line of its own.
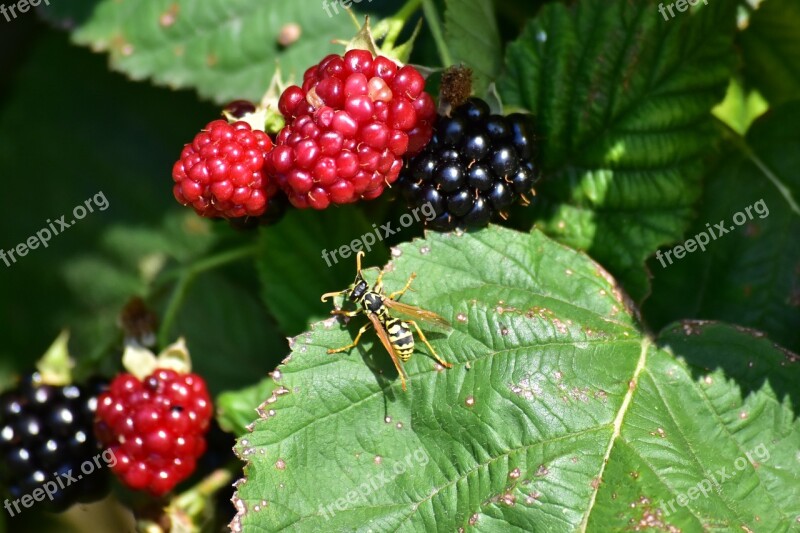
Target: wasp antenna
[
  {"x": 331, "y": 295},
  {"x": 359, "y": 255}
]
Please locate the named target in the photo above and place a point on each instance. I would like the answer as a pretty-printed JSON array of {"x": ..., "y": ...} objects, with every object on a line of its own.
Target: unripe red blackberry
[
  {"x": 475, "y": 167},
  {"x": 156, "y": 427},
  {"x": 46, "y": 437},
  {"x": 277, "y": 207},
  {"x": 348, "y": 128},
  {"x": 221, "y": 173}
]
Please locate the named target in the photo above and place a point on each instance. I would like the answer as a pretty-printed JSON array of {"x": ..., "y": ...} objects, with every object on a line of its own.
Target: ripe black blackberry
[
  {"x": 475, "y": 167},
  {"x": 47, "y": 431}
]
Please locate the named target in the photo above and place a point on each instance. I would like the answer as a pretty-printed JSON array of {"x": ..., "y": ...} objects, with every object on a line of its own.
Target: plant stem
[
  {"x": 408, "y": 9},
  {"x": 436, "y": 30},
  {"x": 399, "y": 20},
  {"x": 185, "y": 279},
  {"x": 216, "y": 480},
  {"x": 742, "y": 145}
]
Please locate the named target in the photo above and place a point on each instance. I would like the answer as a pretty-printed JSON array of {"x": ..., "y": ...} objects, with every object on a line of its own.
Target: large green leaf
[
  {"x": 473, "y": 39},
  {"x": 750, "y": 274},
  {"x": 771, "y": 50},
  {"x": 710, "y": 439},
  {"x": 226, "y": 49},
  {"x": 622, "y": 99},
  {"x": 559, "y": 414}
]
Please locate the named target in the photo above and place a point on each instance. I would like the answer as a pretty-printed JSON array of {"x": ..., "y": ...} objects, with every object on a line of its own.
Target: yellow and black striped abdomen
[{"x": 401, "y": 337}]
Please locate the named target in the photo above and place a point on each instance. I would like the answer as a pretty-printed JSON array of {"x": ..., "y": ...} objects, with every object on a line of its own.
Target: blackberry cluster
[
  {"x": 46, "y": 435},
  {"x": 475, "y": 167}
]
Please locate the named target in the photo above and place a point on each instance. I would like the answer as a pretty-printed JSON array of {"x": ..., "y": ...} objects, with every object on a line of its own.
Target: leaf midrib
[{"x": 617, "y": 425}]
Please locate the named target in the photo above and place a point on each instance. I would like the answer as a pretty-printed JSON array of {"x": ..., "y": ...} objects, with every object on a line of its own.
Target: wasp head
[
  {"x": 358, "y": 288},
  {"x": 356, "y": 291}
]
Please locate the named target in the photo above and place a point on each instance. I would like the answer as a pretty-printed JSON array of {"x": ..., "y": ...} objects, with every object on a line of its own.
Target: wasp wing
[
  {"x": 381, "y": 331},
  {"x": 425, "y": 316}
]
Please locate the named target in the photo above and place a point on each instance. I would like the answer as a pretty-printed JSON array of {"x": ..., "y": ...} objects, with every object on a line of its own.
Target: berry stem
[
  {"x": 187, "y": 276},
  {"x": 436, "y": 31},
  {"x": 186, "y": 511},
  {"x": 216, "y": 480},
  {"x": 397, "y": 21},
  {"x": 741, "y": 144}
]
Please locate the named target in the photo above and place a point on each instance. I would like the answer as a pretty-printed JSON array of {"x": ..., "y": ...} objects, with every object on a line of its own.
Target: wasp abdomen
[{"x": 401, "y": 337}]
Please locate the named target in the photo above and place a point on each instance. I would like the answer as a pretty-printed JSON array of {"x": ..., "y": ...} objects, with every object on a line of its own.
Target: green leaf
[
  {"x": 301, "y": 259},
  {"x": 472, "y": 36},
  {"x": 101, "y": 283},
  {"x": 225, "y": 49},
  {"x": 770, "y": 48},
  {"x": 622, "y": 100},
  {"x": 748, "y": 275},
  {"x": 127, "y": 263},
  {"x": 740, "y": 107},
  {"x": 236, "y": 409},
  {"x": 555, "y": 398}
]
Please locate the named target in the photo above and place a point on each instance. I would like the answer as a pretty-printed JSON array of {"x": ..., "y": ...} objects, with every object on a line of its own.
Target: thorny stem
[
  {"x": 436, "y": 30},
  {"x": 185, "y": 279}
]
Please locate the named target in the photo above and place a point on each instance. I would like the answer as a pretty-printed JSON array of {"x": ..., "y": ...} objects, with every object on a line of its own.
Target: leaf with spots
[
  {"x": 622, "y": 99},
  {"x": 560, "y": 413},
  {"x": 225, "y": 49}
]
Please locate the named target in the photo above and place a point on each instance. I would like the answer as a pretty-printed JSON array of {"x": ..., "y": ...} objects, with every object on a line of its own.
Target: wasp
[{"x": 395, "y": 334}]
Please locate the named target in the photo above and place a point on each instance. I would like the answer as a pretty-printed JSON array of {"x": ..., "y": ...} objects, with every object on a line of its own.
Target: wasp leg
[
  {"x": 400, "y": 371},
  {"x": 342, "y": 312},
  {"x": 397, "y": 294},
  {"x": 433, "y": 352},
  {"x": 378, "y": 287},
  {"x": 361, "y": 331}
]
